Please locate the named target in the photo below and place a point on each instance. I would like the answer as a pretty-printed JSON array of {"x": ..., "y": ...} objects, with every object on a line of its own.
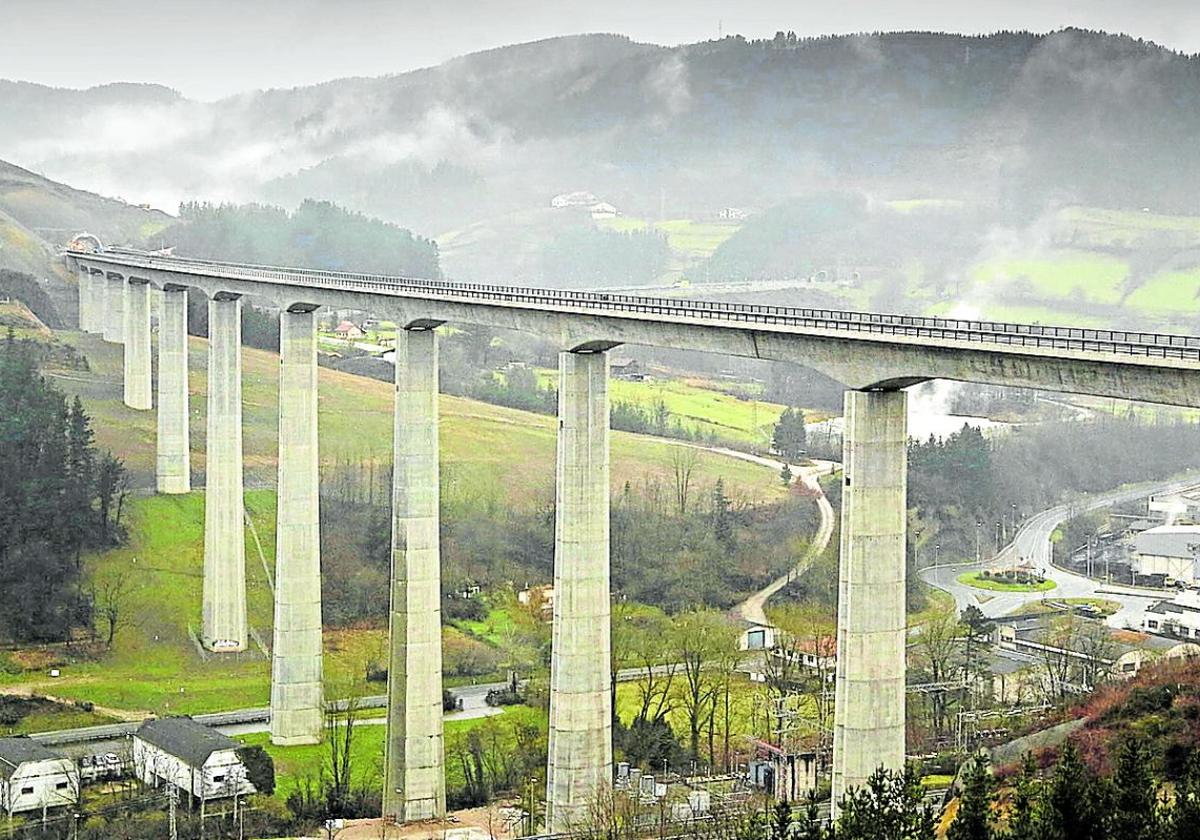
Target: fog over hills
[{"x": 1017, "y": 121}]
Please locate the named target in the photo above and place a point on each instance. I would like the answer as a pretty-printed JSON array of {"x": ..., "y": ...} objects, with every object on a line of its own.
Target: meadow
[{"x": 507, "y": 450}]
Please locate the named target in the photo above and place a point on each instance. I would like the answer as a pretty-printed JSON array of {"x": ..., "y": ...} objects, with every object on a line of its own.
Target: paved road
[
  {"x": 753, "y": 608},
  {"x": 1032, "y": 544}
]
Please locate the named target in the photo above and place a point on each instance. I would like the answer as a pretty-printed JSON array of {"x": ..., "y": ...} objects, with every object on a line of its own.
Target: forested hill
[{"x": 1072, "y": 115}]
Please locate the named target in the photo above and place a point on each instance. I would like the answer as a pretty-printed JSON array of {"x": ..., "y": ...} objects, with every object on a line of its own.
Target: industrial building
[{"x": 1168, "y": 551}]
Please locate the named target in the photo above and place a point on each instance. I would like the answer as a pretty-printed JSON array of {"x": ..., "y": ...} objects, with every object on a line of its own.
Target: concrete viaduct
[{"x": 875, "y": 356}]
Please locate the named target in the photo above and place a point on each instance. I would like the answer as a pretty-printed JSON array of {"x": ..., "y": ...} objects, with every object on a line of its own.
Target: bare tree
[
  {"x": 684, "y": 460},
  {"x": 701, "y": 638},
  {"x": 939, "y": 651},
  {"x": 110, "y": 597},
  {"x": 801, "y": 663}
]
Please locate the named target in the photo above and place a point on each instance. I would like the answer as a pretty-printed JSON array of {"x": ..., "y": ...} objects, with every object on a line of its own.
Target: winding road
[
  {"x": 1032, "y": 544},
  {"x": 753, "y": 608}
]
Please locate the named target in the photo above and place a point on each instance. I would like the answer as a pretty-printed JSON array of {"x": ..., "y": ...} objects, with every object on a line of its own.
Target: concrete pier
[
  {"x": 174, "y": 464},
  {"x": 224, "y": 627},
  {"x": 85, "y": 299},
  {"x": 114, "y": 308},
  {"x": 414, "y": 785},
  {"x": 869, "y": 689},
  {"x": 99, "y": 303},
  {"x": 580, "y": 760},
  {"x": 296, "y": 698},
  {"x": 139, "y": 384}
]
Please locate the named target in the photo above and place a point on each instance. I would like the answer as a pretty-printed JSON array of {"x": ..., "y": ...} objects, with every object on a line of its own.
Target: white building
[
  {"x": 1181, "y": 505},
  {"x": 191, "y": 756},
  {"x": 603, "y": 210},
  {"x": 34, "y": 778},
  {"x": 1179, "y": 618},
  {"x": 1168, "y": 550},
  {"x": 574, "y": 199}
]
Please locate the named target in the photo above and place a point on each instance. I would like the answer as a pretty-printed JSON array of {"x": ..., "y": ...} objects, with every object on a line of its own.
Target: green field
[
  {"x": 1060, "y": 275},
  {"x": 974, "y": 579},
  {"x": 1173, "y": 292},
  {"x": 294, "y": 764},
  {"x": 748, "y": 707},
  {"x": 700, "y": 407},
  {"x": 1126, "y": 227},
  {"x": 687, "y": 237},
  {"x": 506, "y": 453}
]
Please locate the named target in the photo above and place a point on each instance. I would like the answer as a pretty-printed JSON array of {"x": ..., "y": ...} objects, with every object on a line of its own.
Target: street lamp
[
  {"x": 978, "y": 525},
  {"x": 937, "y": 553}
]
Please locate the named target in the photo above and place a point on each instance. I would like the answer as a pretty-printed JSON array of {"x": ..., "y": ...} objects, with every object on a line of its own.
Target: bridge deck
[{"x": 1121, "y": 343}]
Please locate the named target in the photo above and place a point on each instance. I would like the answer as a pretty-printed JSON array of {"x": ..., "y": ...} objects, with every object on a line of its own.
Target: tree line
[
  {"x": 61, "y": 497},
  {"x": 317, "y": 234}
]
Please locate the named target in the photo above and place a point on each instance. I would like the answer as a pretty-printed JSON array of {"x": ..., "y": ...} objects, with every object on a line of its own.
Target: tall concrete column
[
  {"x": 869, "y": 690},
  {"x": 138, "y": 378},
  {"x": 580, "y": 760},
  {"x": 414, "y": 784},
  {"x": 296, "y": 698},
  {"x": 224, "y": 531},
  {"x": 100, "y": 303},
  {"x": 174, "y": 467},
  {"x": 114, "y": 308},
  {"x": 85, "y": 299}
]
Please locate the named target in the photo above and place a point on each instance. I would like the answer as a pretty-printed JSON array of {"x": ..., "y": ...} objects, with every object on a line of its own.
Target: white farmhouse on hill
[
  {"x": 34, "y": 778},
  {"x": 580, "y": 198},
  {"x": 191, "y": 756}
]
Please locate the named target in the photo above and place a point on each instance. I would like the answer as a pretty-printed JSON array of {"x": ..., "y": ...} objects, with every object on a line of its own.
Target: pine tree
[
  {"x": 974, "y": 819},
  {"x": 889, "y": 807},
  {"x": 1184, "y": 819},
  {"x": 1021, "y": 824},
  {"x": 1135, "y": 808},
  {"x": 1075, "y": 805},
  {"x": 789, "y": 439}
]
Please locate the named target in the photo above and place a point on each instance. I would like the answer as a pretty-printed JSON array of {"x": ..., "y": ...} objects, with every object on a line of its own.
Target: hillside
[
  {"x": 492, "y": 457},
  {"x": 39, "y": 216},
  {"x": 1017, "y": 118}
]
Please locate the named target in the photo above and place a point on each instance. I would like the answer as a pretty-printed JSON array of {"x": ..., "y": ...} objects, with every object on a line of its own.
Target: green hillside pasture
[
  {"x": 916, "y": 205},
  {"x": 501, "y": 450},
  {"x": 294, "y": 764},
  {"x": 700, "y": 407},
  {"x": 154, "y": 665},
  {"x": 1060, "y": 275},
  {"x": 1129, "y": 228},
  {"x": 1172, "y": 292},
  {"x": 687, "y": 237}
]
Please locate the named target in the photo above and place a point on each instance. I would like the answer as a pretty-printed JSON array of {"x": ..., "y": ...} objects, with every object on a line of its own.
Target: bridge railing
[{"x": 1120, "y": 342}]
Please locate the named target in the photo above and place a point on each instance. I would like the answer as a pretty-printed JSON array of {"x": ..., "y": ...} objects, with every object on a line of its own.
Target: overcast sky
[{"x": 213, "y": 48}]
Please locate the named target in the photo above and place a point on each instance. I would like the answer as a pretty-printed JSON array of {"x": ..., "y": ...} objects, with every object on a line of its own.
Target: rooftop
[
  {"x": 16, "y": 751},
  {"x": 185, "y": 739}
]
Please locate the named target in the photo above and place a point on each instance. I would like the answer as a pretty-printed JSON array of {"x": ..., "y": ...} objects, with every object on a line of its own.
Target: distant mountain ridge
[{"x": 1017, "y": 118}]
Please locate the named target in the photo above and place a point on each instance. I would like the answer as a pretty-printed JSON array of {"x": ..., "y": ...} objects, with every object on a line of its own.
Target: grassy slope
[
  {"x": 154, "y": 665},
  {"x": 687, "y": 238},
  {"x": 700, "y": 407},
  {"x": 504, "y": 449}
]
